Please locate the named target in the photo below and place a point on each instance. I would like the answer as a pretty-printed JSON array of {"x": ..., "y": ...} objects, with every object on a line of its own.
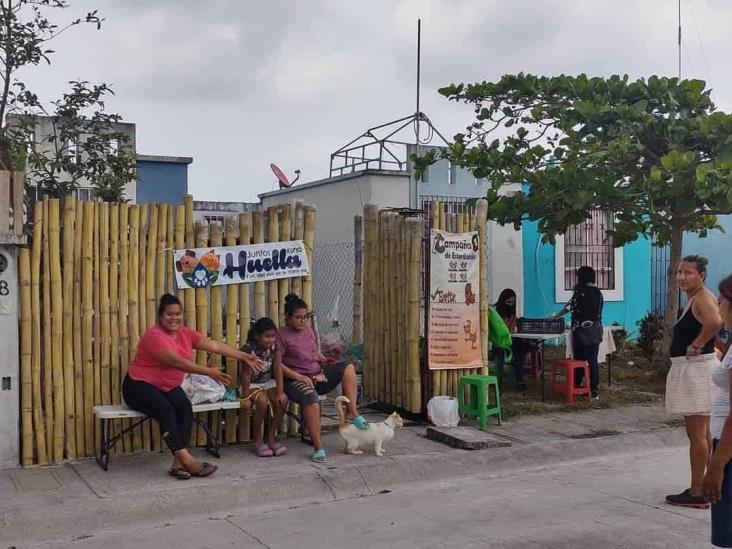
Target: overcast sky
[{"x": 237, "y": 84}]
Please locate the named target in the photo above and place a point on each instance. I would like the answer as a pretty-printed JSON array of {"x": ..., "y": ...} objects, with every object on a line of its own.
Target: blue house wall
[
  {"x": 717, "y": 247},
  {"x": 539, "y": 281},
  {"x": 162, "y": 179}
]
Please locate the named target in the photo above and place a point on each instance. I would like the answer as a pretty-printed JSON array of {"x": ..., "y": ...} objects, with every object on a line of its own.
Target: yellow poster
[{"x": 454, "y": 310}]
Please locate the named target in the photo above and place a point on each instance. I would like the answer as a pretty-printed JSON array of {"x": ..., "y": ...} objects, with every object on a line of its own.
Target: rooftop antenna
[
  {"x": 419, "y": 67},
  {"x": 679, "y": 40}
]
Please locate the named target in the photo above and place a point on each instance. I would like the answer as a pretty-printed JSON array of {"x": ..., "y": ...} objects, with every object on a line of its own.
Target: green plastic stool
[{"x": 477, "y": 405}]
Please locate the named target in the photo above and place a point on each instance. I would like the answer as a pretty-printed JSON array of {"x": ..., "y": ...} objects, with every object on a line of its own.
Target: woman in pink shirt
[
  {"x": 154, "y": 377},
  {"x": 308, "y": 374}
]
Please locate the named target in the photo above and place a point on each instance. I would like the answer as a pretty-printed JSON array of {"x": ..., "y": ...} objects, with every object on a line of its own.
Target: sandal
[
  {"x": 204, "y": 470},
  {"x": 319, "y": 456},
  {"x": 179, "y": 473},
  {"x": 278, "y": 449},
  {"x": 264, "y": 451},
  {"x": 360, "y": 422}
]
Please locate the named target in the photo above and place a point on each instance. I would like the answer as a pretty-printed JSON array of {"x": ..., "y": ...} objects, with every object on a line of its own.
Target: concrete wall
[
  {"x": 9, "y": 362},
  {"x": 717, "y": 248},
  {"x": 539, "y": 281},
  {"x": 165, "y": 182},
  {"x": 339, "y": 200}
]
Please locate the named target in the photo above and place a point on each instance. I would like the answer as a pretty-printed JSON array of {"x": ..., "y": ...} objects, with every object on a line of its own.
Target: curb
[{"x": 83, "y": 516}]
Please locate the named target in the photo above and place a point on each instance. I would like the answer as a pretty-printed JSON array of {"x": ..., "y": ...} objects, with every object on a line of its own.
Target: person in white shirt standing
[{"x": 717, "y": 486}]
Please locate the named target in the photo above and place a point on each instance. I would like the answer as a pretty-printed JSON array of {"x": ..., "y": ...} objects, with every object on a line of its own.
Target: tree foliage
[
  {"x": 83, "y": 144},
  {"x": 655, "y": 151}
]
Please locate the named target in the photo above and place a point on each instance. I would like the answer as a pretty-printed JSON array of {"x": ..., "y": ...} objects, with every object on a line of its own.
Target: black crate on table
[{"x": 540, "y": 326}]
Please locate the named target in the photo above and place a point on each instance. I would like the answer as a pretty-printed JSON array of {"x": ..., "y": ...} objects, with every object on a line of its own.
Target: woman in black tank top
[{"x": 692, "y": 347}]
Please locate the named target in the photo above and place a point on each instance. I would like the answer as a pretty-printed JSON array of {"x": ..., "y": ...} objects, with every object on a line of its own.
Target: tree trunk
[{"x": 672, "y": 290}]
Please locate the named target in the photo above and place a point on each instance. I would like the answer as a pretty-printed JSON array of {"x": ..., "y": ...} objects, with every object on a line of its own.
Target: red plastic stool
[{"x": 566, "y": 386}]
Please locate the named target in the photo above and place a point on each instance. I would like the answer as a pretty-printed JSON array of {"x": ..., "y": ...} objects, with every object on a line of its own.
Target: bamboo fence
[
  {"x": 89, "y": 286},
  {"x": 394, "y": 272}
]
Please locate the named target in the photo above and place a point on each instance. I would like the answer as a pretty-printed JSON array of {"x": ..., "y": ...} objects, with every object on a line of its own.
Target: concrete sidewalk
[{"x": 77, "y": 499}]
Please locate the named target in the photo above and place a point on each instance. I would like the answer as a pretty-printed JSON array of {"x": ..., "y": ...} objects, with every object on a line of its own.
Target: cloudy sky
[{"x": 237, "y": 84}]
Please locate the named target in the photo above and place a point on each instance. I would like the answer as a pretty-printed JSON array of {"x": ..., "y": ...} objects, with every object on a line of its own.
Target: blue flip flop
[
  {"x": 360, "y": 422},
  {"x": 319, "y": 456}
]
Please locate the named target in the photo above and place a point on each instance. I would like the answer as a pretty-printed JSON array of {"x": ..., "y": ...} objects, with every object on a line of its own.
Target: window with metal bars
[{"x": 590, "y": 243}]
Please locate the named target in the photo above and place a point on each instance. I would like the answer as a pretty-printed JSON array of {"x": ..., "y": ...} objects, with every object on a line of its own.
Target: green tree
[
  {"x": 655, "y": 151},
  {"x": 83, "y": 144}
]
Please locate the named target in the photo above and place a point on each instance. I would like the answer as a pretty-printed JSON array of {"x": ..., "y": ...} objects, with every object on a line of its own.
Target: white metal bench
[{"x": 108, "y": 413}]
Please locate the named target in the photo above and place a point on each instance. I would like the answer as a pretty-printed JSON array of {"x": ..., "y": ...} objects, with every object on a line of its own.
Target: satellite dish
[{"x": 282, "y": 178}]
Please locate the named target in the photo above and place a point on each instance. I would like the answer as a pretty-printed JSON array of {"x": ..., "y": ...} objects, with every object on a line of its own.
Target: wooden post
[
  {"x": 26, "y": 382},
  {"x": 57, "y": 334},
  {"x": 245, "y": 238},
  {"x": 414, "y": 231},
  {"x": 273, "y": 288},
  {"x": 47, "y": 351},
  {"x": 133, "y": 312},
  {"x": 38, "y": 420},
  {"x": 68, "y": 323},
  {"x": 258, "y": 238},
  {"x": 77, "y": 342},
  {"x": 481, "y": 218}
]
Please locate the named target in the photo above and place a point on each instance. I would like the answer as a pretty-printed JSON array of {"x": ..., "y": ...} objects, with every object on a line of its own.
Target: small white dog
[{"x": 377, "y": 433}]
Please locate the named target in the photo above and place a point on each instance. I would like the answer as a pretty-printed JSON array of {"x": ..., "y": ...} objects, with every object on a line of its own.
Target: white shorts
[{"x": 689, "y": 386}]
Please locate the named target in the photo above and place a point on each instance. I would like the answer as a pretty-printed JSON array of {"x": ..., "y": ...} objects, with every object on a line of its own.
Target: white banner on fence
[
  {"x": 204, "y": 267},
  {"x": 454, "y": 314}
]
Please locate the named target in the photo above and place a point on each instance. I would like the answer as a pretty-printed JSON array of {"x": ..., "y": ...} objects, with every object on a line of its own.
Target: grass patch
[{"x": 634, "y": 382}]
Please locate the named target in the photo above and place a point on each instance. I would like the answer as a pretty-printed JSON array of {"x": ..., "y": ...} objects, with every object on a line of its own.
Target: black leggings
[{"x": 172, "y": 410}]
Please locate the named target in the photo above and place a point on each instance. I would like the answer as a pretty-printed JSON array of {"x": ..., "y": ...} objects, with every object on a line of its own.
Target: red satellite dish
[{"x": 281, "y": 177}]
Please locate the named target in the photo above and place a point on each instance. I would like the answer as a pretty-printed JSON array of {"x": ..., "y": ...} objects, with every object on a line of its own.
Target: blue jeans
[{"x": 589, "y": 354}]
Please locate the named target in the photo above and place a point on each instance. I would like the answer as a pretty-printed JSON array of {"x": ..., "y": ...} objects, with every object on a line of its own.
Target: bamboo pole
[
  {"x": 142, "y": 266},
  {"x": 309, "y": 241},
  {"x": 170, "y": 254},
  {"x": 370, "y": 215},
  {"x": 481, "y": 218},
  {"x": 299, "y": 235},
  {"x": 402, "y": 323},
  {"x": 77, "y": 342},
  {"x": 68, "y": 323},
  {"x": 231, "y": 232},
  {"x": 114, "y": 363},
  {"x": 133, "y": 302},
  {"x": 123, "y": 310},
  {"x": 179, "y": 243},
  {"x": 189, "y": 295},
  {"x": 154, "y": 281},
  {"x": 414, "y": 231},
  {"x": 394, "y": 297},
  {"x": 273, "y": 291},
  {"x": 97, "y": 256},
  {"x": 285, "y": 235},
  {"x": 47, "y": 351},
  {"x": 386, "y": 244},
  {"x": 105, "y": 360},
  {"x": 216, "y": 232},
  {"x": 38, "y": 420},
  {"x": 434, "y": 224},
  {"x": 87, "y": 324},
  {"x": 245, "y": 238},
  {"x": 26, "y": 382},
  {"x": 201, "y": 232},
  {"x": 161, "y": 254},
  {"x": 357, "y": 329},
  {"x": 258, "y": 238},
  {"x": 57, "y": 358}
]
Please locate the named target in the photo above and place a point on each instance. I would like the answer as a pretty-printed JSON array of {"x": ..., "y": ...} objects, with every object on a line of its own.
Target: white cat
[{"x": 377, "y": 433}]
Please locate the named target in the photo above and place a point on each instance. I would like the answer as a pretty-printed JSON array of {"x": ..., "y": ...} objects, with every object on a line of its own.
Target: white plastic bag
[
  {"x": 443, "y": 411},
  {"x": 201, "y": 389}
]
